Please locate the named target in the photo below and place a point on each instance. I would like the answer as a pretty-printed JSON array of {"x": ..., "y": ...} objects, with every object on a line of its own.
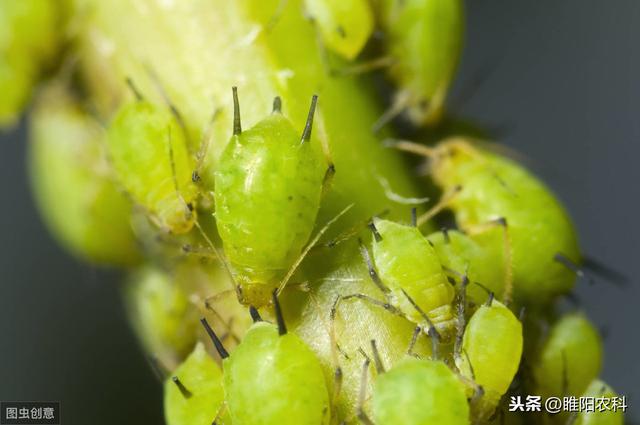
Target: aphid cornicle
[
  {"x": 410, "y": 269},
  {"x": 149, "y": 152},
  {"x": 482, "y": 188},
  {"x": 273, "y": 377},
  {"x": 345, "y": 25},
  {"x": 570, "y": 358},
  {"x": 419, "y": 392},
  {"x": 267, "y": 193},
  {"x": 424, "y": 40},
  {"x": 490, "y": 353},
  {"x": 193, "y": 394}
]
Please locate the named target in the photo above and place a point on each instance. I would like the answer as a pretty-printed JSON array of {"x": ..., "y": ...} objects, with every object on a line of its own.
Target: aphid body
[
  {"x": 424, "y": 40},
  {"x": 570, "y": 358},
  {"x": 492, "y": 187},
  {"x": 598, "y": 389},
  {"x": 72, "y": 183},
  {"x": 408, "y": 265},
  {"x": 149, "y": 152},
  {"x": 345, "y": 25},
  {"x": 194, "y": 394},
  {"x": 419, "y": 392},
  {"x": 491, "y": 351},
  {"x": 273, "y": 378},
  {"x": 267, "y": 192}
]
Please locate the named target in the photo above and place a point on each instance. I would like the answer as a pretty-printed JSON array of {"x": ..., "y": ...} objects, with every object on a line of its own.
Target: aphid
[
  {"x": 598, "y": 389},
  {"x": 484, "y": 188},
  {"x": 28, "y": 41},
  {"x": 272, "y": 377},
  {"x": 419, "y": 392},
  {"x": 570, "y": 358},
  {"x": 72, "y": 183},
  {"x": 410, "y": 271},
  {"x": 148, "y": 149},
  {"x": 489, "y": 352},
  {"x": 484, "y": 265},
  {"x": 345, "y": 25},
  {"x": 193, "y": 394},
  {"x": 161, "y": 314},
  {"x": 268, "y": 188},
  {"x": 424, "y": 40}
]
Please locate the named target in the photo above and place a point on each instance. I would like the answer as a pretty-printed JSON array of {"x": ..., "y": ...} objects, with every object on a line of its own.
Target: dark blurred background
[{"x": 564, "y": 90}]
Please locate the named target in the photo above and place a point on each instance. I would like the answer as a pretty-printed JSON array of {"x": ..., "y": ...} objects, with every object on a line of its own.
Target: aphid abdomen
[
  {"x": 275, "y": 379},
  {"x": 267, "y": 193},
  {"x": 599, "y": 389},
  {"x": 405, "y": 261},
  {"x": 144, "y": 140},
  {"x": 491, "y": 351},
  {"x": 419, "y": 392},
  {"x": 495, "y": 187}
]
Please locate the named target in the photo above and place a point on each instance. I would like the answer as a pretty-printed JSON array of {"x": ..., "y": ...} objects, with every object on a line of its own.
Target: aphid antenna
[
  {"x": 308, "y": 248},
  {"x": 571, "y": 266},
  {"x": 217, "y": 253},
  {"x": 377, "y": 360},
  {"x": 397, "y": 107},
  {"x": 205, "y": 141},
  {"x": 371, "y": 270},
  {"x": 601, "y": 269},
  {"x": 172, "y": 164},
  {"x": 159, "y": 370},
  {"x": 473, "y": 373},
  {"x": 442, "y": 203},
  {"x": 306, "y": 133},
  {"x": 255, "y": 315},
  {"x": 237, "y": 125},
  {"x": 460, "y": 311},
  {"x": 183, "y": 390},
  {"x": 282, "y": 327},
  {"x": 414, "y": 217},
  {"x": 277, "y": 105},
  {"x": 216, "y": 341},
  {"x": 134, "y": 89},
  {"x": 432, "y": 331},
  {"x": 411, "y": 147}
]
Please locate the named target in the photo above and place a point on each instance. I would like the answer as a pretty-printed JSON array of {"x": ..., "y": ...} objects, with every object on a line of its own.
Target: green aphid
[
  {"x": 193, "y": 394},
  {"x": 604, "y": 415},
  {"x": 490, "y": 353},
  {"x": 411, "y": 275},
  {"x": 419, "y": 392},
  {"x": 484, "y": 265},
  {"x": 149, "y": 152},
  {"x": 267, "y": 192},
  {"x": 273, "y": 377},
  {"x": 162, "y": 315},
  {"x": 29, "y": 32},
  {"x": 424, "y": 41},
  {"x": 483, "y": 188},
  {"x": 570, "y": 358},
  {"x": 72, "y": 184},
  {"x": 345, "y": 25}
]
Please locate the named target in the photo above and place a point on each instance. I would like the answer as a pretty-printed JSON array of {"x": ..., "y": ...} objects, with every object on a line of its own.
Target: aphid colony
[{"x": 477, "y": 294}]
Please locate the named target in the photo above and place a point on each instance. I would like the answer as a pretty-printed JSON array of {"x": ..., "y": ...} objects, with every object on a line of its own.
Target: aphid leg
[
  {"x": 221, "y": 412},
  {"x": 214, "y": 338},
  {"x": 571, "y": 266},
  {"x": 461, "y": 306},
  {"x": 205, "y": 141},
  {"x": 159, "y": 370},
  {"x": 376, "y": 357},
  {"x": 189, "y": 249},
  {"x": 134, "y": 89},
  {"x": 308, "y": 248},
  {"x": 412, "y": 147},
  {"x": 255, "y": 315},
  {"x": 188, "y": 207},
  {"x": 362, "y": 394},
  {"x": 478, "y": 391},
  {"x": 442, "y": 203},
  {"x": 217, "y": 254},
  {"x": 353, "y": 231},
  {"x": 399, "y": 105},
  {"x": 183, "y": 390},
  {"x": 337, "y": 371},
  {"x": 414, "y": 339},
  {"x": 227, "y": 324},
  {"x": 431, "y": 329},
  {"x": 365, "y": 67},
  {"x": 507, "y": 292},
  {"x": 275, "y": 18}
]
